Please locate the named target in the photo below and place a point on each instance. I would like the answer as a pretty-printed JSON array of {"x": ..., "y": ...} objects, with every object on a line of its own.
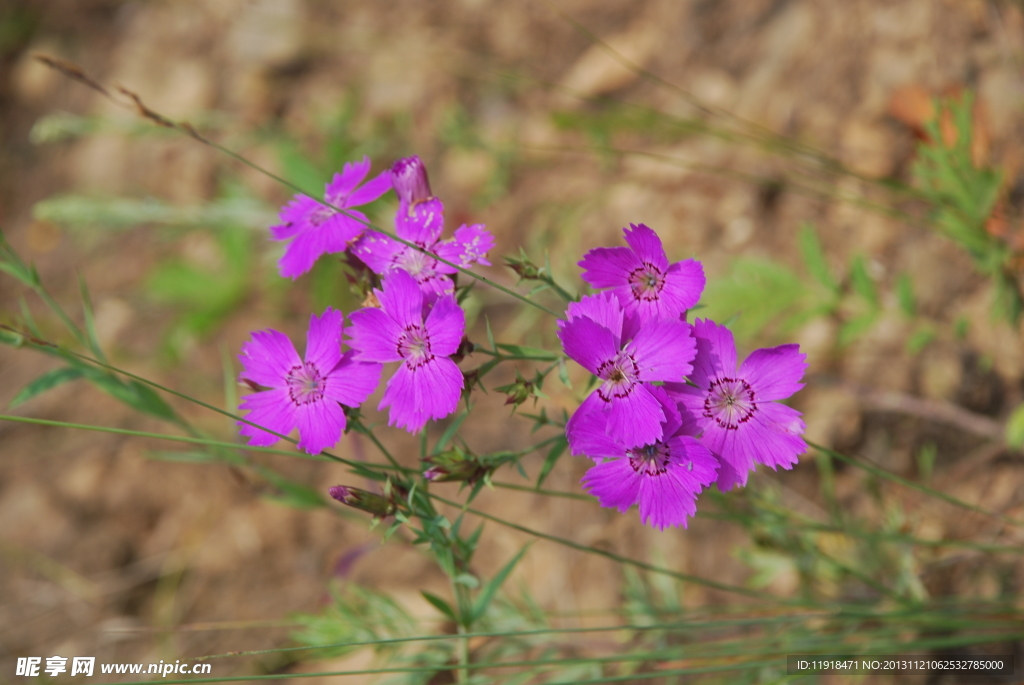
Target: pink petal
[
  {"x": 422, "y": 223},
  {"x": 294, "y": 217},
  {"x": 636, "y": 419},
  {"x": 377, "y": 251},
  {"x": 716, "y": 352},
  {"x": 587, "y": 434},
  {"x": 602, "y": 308},
  {"x": 469, "y": 246},
  {"x": 371, "y": 190},
  {"x": 588, "y": 342},
  {"x": 778, "y": 430},
  {"x": 728, "y": 477},
  {"x": 330, "y": 237},
  {"x": 615, "y": 484},
  {"x": 323, "y": 341},
  {"x": 375, "y": 336},
  {"x": 608, "y": 267},
  {"x": 445, "y": 325},
  {"x": 664, "y": 502},
  {"x": 663, "y": 350},
  {"x": 342, "y": 185},
  {"x": 430, "y": 391},
  {"x": 775, "y": 373},
  {"x": 344, "y": 228},
  {"x": 647, "y": 245},
  {"x": 320, "y": 425},
  {"x": 351, "y": 382},
  {"x": 738, "y": 448},
  {"x": 684, "y": 284},
  {"x": 402, "y": 299},
  {"x": 273, "y": 410},
  {"x": 268, "y": 358}
]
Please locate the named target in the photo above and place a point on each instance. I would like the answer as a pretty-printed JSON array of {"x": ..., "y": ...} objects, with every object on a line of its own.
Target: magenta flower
[
  {"x": 420, "y": 220},
  {"x": 626, "y": 357},
  {"x": 409, "y": 178},
  {"x": 303, "y": 394},
  {"x": 428, "y": 384},
  {"x": 316, "y": 229},
  {"x": 663, "y": 477},
  {"x": 741, "y": 423},
  {"x": 641, "y": 277}
]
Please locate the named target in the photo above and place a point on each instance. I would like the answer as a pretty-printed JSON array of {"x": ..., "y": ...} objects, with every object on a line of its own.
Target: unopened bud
[
  {"x": 363, "y": 500},
  {"x": 409, "y": 177},
  {"x": 522, "y": 389},
  {"x": 465, "y": 348},
  {"x": 454, "y": 465},
  {"x": 527, "y": 270}
]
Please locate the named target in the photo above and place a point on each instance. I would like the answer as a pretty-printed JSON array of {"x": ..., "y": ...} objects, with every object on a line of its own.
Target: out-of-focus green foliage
[{"x": 964, "y": 194}]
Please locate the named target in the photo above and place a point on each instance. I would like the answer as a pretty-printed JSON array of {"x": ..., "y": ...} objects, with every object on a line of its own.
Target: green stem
[{"x": 190, "y": 440}]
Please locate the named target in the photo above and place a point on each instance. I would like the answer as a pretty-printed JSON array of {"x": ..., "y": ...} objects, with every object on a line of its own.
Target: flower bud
[
  {"x": 361, "y": 499},
  {"x": 522, "y": 389},
  {"x": 409, "y": 177},
  {"x": 527, "y": 270},
  {"x": 454, "y": 465},
  {"x": 465, "y": 348}
]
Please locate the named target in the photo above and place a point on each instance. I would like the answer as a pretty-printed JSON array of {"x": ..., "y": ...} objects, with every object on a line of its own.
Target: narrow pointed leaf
[
  {"x": 439, "y": 604},
  {"x": 48, "y": 381},
  {"x": 486, "y": 595},
  {"x": 552, "y": 458}
]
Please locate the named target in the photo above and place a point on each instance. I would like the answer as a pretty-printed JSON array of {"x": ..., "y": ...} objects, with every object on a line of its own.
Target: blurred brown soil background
[{"x": 105, "y": 552}]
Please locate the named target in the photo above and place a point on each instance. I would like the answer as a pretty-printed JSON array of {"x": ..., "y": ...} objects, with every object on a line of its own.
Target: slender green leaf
[
  {"x": 486, "y": 595},
  {"x": 556, "y": 451},
  {"x": 905, "y": 294},
  {"x": 90, "y": 321},
  {"x": 48, "y": 381},
  {"x": 11, "y": 338},
  {"x": 132, "y": 393},
  {"x": 439, "y": 604},
  {"x": 563, "y": 374},
  {"x": 529, "y": 352},
  {"x": 814, "y": 258},
  {"x": 292, "y": 494},
  {"x": 28, "y": 320},
  {"x": 919, "y": 339},
  {"x": 449, "y": 432},
  {"x": 490, "y": 334},
  {"x": 856, "y": 327},
  {"x": 468, "y": 580},
  {"x": 862, "y": 282}
]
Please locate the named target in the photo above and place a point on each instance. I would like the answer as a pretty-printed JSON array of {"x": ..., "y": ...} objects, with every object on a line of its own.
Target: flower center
[
  {"x": 620, "y": 374},
  {"x": 646, "y": 282},
  {"x": 414, "y": 345},
  {"x": 416, "y": 263},
  {"x": 730, "y": 402},
  {"x": 321, "y": 215},
  {"x": 305, "y": 384},
  {"x": 650, "y": 460}
]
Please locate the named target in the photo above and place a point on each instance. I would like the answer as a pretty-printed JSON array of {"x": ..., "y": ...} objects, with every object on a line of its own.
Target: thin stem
[
  {"x": 77, "y": 73},
  {"x": 882, "y": 473},
  {"x": 190, "y": 440},
  {"x": 109, "y": 367}
]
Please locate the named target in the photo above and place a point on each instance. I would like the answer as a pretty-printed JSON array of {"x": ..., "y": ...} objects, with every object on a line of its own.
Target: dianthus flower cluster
[
  {"x": 418, "y": 322},
  {"x": 672, "y": 412}
]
